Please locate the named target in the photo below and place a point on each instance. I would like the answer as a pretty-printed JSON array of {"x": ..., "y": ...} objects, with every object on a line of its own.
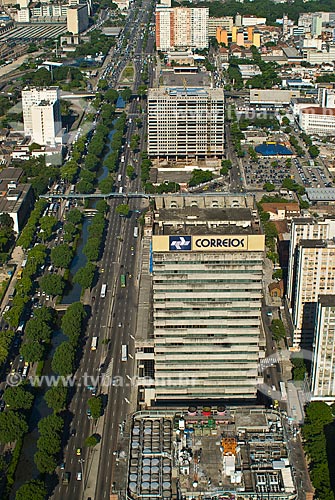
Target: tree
[
  {"x": 45, "y": 462},
  {"x": 61, "y": 255},
  {"x": 12, "y": 426},
  {"x": 95, "y": 405},
  {"x": 277, "y": 274},
  {"x": 130, "y": 171},
  {"x": 49, "y": 443},
  {"x": 32, "y": 351},
  {"x": 102, "y": 206},
  {"x": 91, "y": 441},
  {"x": 18, "y": 398},
  {"x": 226, "y": 163},
  {"x": 123, "y": 210},
  {"x": 55, "y": 397},
  {"x": 200, "y": 176},
  {"x": 32, "y": 490},
  {"x": 6, "y": 221},
  {"x": 63, "y": 360},
  {"x": 45, "y": 314},
  {"x": 92, "y": 249},
  {"x": 38, "y": 331},
  {"x": 126, "y": 94},
  {"x": 75, "y": 216},
  {"x": 84, "y": 276},
  {"x": 268, "y": 186},
  {"x": 278, "y": 329},
  {"x": 106, "y": 185},
  {"x": 52, "y": 284},
  {"x": 313, "y": 151},
  {"x": 50, "y": 424}
]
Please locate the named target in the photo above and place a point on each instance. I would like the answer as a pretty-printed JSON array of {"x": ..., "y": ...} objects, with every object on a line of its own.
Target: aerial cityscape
[{"x": 167, "y": 250}]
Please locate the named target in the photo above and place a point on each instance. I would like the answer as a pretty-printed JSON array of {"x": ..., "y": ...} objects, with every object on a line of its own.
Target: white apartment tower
[
  {"x": 181, "y": 27},
  {"x": 41, "y": 115},
  {"x": 207, "y": 292},
  {"x": 185, "y": 122},
  {"x": 323, "y": 364}
]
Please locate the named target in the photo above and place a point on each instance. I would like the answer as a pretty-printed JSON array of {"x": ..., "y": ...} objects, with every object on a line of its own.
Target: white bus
[
  {"x": 120, "y": 190},
  {"x": 124, "y": 353},
  {"x": 103, "y": 291},
  {"x": 283, "y": 392},
  {"x": 67, "y": 205},
  {"x": 135, "y": 232},
  {"x": 119, "y": 178},
  {"x": 72, "y": 188},
  {"x": 94, "y": 343}
]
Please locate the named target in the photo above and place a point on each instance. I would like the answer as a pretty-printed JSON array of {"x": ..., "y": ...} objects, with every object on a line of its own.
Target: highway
[{"x": 112, "y": 317}]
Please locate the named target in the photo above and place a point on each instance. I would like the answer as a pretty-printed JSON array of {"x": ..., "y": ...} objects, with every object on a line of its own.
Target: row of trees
[
  {"x": 28, "y": 233},
  {"x": 92, "y": 249},
  {"x": 7, "y": 238},
  {"x": 111, "y": 161},
  {"x": 38, "y": 331}
]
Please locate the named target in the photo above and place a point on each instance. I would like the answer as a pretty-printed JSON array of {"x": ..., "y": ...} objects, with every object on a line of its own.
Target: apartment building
[
  {"x": 207, "y": 291},
  {"x": 317, "y": 120},
  {"x": 323, "y": 363},
  {"x": 185, "y": 122},
  {"x": 326, "y": 97},
  {"x": 41, "y": 115},
  {"x": 226, "y": 22},
  {"x": 181, "y": 27}
]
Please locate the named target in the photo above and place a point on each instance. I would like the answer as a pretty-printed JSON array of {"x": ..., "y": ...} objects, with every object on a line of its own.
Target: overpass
[
  {"x": 142, "y": 195},
  {"x": 77, "y": 95}
]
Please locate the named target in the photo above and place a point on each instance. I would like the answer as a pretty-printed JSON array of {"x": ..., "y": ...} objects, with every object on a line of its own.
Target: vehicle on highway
[
  {"x": 78, "y": 452},
  {"x": 94, "y": 343},
  {"x": 78, "y": 476},
  {"x": 66, "y": 477},
  {"x": 25, "y": 371},
  {"x": 73, "y": 432},
  {"x": 119, "y": 178},
  {"x": 124, "y": 352},
  {"x": 123, "y": 280},
  {"x": 135, "y": 233},
  {"x": 103, "y": 291},
  {"x": 62, "y": 466},
  {"x": 120, "y": 190}
]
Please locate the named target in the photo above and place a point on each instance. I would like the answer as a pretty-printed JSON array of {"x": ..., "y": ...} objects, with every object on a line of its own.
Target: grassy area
[{"x": 128, "y": 73}]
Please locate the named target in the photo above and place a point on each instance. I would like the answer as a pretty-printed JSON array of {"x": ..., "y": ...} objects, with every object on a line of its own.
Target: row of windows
[{"x": 208, "y": 299}]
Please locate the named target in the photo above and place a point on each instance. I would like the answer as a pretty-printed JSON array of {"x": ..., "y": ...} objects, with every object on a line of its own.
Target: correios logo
[
  {"x": 180, "y": 242},
  {"x": 220, "y": 243}
]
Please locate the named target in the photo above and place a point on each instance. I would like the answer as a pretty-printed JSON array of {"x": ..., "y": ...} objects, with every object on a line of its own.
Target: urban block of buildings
[
  {"x": 209, "y": 452},
  {"x": 16, "y": 199},
  {"x": 181, "y": 27},
  {"x": 185, "y": 122},
  {"x": 207, "y": 258},
  {"x": 41, "y": 115}
]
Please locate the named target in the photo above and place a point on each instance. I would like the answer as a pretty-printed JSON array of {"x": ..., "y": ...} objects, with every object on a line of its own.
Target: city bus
[
  {"x": 123, "y": 280},
  {"x": 124, "y": 352},
  {"x": 72, "y": 188},
  {"x": 103, "y": 291},
  {"x": 19, "y": 274},
  {"x": 67, "y": 205},
  {"x": 135, "y": 232},
  {"x": 283, "y": 391},
  {"x": 94, "y": 343}
]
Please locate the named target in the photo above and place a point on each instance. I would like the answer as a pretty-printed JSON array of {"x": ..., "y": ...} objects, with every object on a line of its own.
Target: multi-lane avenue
[{"x": 112, "y": 318}]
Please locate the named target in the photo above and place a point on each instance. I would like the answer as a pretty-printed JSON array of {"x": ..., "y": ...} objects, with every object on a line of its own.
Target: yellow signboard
[{"x": 208, "y": 243}]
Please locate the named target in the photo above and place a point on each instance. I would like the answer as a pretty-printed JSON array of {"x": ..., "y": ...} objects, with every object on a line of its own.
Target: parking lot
[
  {"x": 266, "y": 170},
  {"x": 310, "y": 176}
]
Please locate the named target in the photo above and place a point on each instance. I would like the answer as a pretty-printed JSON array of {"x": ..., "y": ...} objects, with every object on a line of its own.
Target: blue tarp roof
[
  {"x": 273, "y": 150},
  {"x": 120, "y": 102}
]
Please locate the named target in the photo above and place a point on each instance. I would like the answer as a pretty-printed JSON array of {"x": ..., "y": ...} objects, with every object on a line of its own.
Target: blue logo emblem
[{"x": 180, "y": 242}]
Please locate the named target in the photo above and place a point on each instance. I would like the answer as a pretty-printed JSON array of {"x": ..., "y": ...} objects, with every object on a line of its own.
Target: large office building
[
  {"x": 315, "y": 274},
  {"x": 323, "y": 365},
  {"x": 181, "y": 27},
  {"x": 185, "y": 122},
  {"x": 41, "y": 115},
  {"x": 77, "y": 18},
  {"x": 207, "y": 264}
]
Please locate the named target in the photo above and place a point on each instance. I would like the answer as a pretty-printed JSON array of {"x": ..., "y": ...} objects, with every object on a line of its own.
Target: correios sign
[{"x": 206, "y": 243}]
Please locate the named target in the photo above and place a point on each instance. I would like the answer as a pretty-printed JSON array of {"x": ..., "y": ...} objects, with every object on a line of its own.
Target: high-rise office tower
[
  {"x": 207, "y": 261},
  {"x": 181, "y": 27},
  {"x": 41, "y": 115},
  {"x": 315, "y": 275},
  {"x": 323, "y": 365},
  {"x": 185, "y": 122}
]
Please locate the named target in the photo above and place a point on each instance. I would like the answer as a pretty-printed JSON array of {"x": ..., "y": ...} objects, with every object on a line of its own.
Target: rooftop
[
  {"x": 321, "y": 194},
  {"x": 190, "y": 79},
  {"x": 316, "y": 110},
  {"x": 327, "y": 300}
]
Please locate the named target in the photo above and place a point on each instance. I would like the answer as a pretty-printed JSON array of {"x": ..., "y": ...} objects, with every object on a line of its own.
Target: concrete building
[
  {"x": 316, "y": 26},
  {"x": 250, "y": 20},
  {"x": 185, "y": 122},
  {"x": 272, "y": 96},
  {"x": 41, "y": 115},
  {"x": 207, "y": 290},
  {"x": 310, "y": 273},
  {"x": 323, "y": 364},
  {"x": 181, "y": 27},
  {"x": 77, "y": 18},
  {"x": 305, "y": 228},
  {"x": 317, "y": 120},
  {"x": 226, "y": 22},
  {"x": 326, "y": 98},
  {"x": 16, "y": 200}
]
